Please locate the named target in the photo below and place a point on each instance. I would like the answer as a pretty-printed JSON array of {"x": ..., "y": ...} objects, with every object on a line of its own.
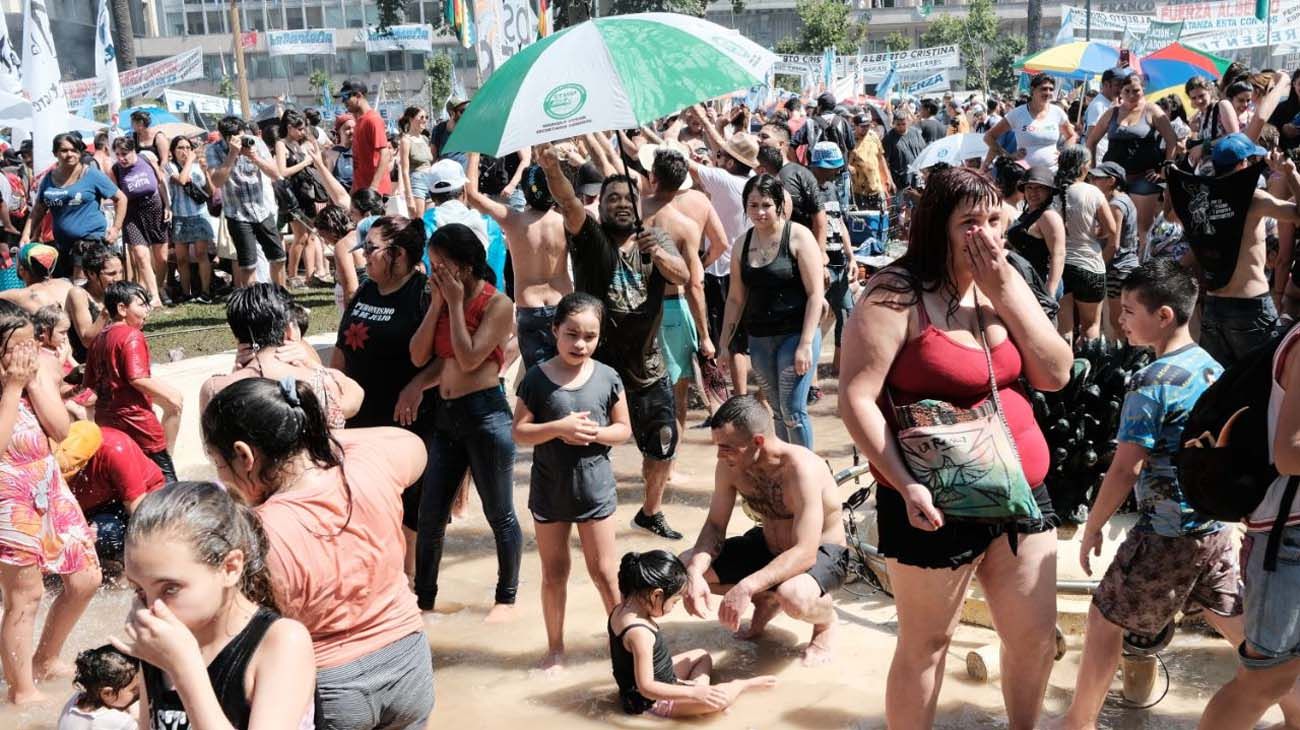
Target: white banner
[
  {"x": 1197, "y": 18},
  {"x": 141, "y": 80},
  {"x": 398, "y": 38},
  {"x": 106, "y": 64},
  {"x": 41, "y": 83},
  {"x": 933, "y": 82},
  {"x": 307, "y": 42},
  {"x": 876, "y": 64},
  {"x": 10, "y": 79},
  {"x": 518, "y": 26},
  {"x": 487, "y": 40},
  {"x": 1220, "y": 42},
  {"x": 178, "y": 103}
]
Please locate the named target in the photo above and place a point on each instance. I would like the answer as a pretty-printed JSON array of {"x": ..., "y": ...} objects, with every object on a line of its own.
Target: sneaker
[
  {"x": 201, "y": 298},
  {"x": 296, "y": 282},
  {"x": 814, "y": 394},
  {"x": 657, "y": 524}
]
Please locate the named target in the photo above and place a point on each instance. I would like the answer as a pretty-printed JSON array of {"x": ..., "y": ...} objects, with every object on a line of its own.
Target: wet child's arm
[
  {"x": 642, "y": 643},
  {"x": 284, "y": 678},
  {"x": 526, "y": 431},
  {"x": 1115, "y": 488},
  {"x": 167, "y": 397},
  {"x": 619, "y": 429}
]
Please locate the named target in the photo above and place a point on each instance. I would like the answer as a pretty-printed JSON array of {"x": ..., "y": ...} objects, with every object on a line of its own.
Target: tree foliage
[
  {"x": 438, "y": 69},
  {"x": 988, "y": 53},
  {"x": 895, "y": 42},
  {"x": 685, "y": 7},
  {"x": 823, "y": 24},
  {"x": 321, "y": 80}
]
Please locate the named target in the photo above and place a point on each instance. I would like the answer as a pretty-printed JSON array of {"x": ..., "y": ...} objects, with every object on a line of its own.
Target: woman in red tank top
[
  {"x": 466, "y": 326},
  {"x": 915, "y": 334}
]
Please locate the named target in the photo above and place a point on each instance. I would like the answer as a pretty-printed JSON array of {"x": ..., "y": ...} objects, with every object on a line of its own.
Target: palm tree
[
  {"x": 1035, "y": 25},
  {"x": 123, "y": 33}
]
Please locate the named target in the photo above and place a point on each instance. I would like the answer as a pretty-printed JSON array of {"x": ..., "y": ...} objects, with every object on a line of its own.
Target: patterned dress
[{"x": 41, "y": 523}]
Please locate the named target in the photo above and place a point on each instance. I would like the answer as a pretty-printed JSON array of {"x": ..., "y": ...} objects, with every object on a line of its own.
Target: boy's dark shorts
[
  {"x": 744, "y": 555},
  {"x": 1154, "y": 577},
  {"x": 654, "y": 420}
]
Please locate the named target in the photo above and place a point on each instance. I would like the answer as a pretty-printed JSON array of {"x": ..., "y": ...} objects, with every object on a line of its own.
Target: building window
[
  {"x": 432, "y": 13},
  {"x": 175, "y": 24},
  {"x": 377, "y": 62},
  {"x": 217, "y": 22},
  {"x": 276, "y": 18},
  {"x": 194, "y": 23},
  {"x": 355, "y": 16},
  {"x": 315, "y": 17},
  {"x": 415, "y": 61},
  {"x": 294, "y": 18},
  {"x": 372, "y": 14},
  {"x": 333, "y": 17},
  {"x": 395, "y": 61}
]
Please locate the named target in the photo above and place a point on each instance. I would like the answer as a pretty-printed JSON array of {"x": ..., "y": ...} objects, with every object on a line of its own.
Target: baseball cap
[
  {"x": 350, "y": 87},
  {"x": 38, "y": 257},
  {"x": 589, "y": 180},
  {"x": 1110, "y": 169},
  {"x": 826, "y": 100},
  {"x": 827, "y": 156},
  {"x": 1232, "y": 149},
  {"x": 340, "y": 120},
  {"x": 455, "y": 103},
  {"x": 446, "y": 176},
  {"x": 1039, "y": 175}
]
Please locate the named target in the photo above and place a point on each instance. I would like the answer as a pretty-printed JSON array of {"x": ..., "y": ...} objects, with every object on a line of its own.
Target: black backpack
[{"x": 1224, "y": 467}]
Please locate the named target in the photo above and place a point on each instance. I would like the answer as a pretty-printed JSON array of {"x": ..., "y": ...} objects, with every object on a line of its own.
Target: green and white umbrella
[{"x": 609, "y": 73}]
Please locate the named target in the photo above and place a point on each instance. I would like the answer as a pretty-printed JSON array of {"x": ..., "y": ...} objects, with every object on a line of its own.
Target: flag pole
[{"x": 245, "y": 105}]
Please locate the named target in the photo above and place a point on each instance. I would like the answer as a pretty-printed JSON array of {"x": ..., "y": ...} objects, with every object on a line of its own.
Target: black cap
[
  {"x": 589, "y": 179},
  {"x": 1039, "y": 175},
  {"x": 352, "y": 86},
  {"x": 826, "y": 100}
]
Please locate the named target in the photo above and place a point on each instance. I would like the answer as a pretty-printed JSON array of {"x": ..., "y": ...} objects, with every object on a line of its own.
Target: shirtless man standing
[
  {"x": 538, "y": 251},
  {"x": 85, "y": 305},
  {"x": 795, "y": 559},
  {"x": 36, "y": 263},
  {"x": 1238, "y": 313}
]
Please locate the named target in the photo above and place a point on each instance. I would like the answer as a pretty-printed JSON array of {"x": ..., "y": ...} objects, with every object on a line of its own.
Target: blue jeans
[
  {"x": 844, "y": 189},
  {"x": 1272, "y": 622},
  {"x": 787, "y": 393},
  {"x": 1232, "y": 326},
  {"x": 470, "y": 433}
]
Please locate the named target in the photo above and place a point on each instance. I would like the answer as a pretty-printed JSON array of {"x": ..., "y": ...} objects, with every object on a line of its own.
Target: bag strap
[
  {"x": 993, "y": 381},
  {"x": 1275, "y": 532}
]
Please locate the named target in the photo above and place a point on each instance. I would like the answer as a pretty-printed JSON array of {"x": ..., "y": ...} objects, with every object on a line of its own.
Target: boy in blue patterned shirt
[{"x": 1173, "y": 560}]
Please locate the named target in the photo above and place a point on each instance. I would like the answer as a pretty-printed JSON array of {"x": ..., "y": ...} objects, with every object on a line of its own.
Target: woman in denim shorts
[{"x": 187, "y": 178}]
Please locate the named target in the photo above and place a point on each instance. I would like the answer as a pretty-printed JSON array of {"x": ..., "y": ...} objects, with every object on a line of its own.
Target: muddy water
[{"x": 484, "y": 676}]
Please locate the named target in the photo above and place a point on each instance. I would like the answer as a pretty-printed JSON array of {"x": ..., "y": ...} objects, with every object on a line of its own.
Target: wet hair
[
  {"x": 312, "y": 115},
  {"x": 929, "y": 107},
  {"x": 291, "y": 118},
  {"x": 459, "y": 243},
  {"x": 123, "y": 293},
  {"x": 1195, "y": 83},
  {"x": 95, "y": 258},
  {"x": 101, "y": 668},
  {"x": 46, "y": 319},
  {"x": 1008, "y": 173},
  {"x": 1238, "y": 87},
  {"x": 208, "y": 518},
  {"x": 406, "y": 234},
  {"x": 281, "y": 419},
  {"x": 770, "y": 158},
  {"x": 1163, "y": 282},
  {"x": 142, "y": 116},
  {"x": 230, "y": 126},
  {"x": 1040, "y": 79},
  {"x": 777, "y": 130},
  {"x": 334, "y": 221},
  {"x": 769, "y": 186},
  {"x": 670, "y": 168},
  {"x": 537, "y": 194},
  {"x": 574, "y": 303},
  {"x": 12, "y": 319},
  {"x": 925, "y": 265},
  {"x": 616, "y": 180},
  {"x": 646, "y": 572},
  {"x": 368, "y": 201},
  {"x": 259, "y": 314},
  {"x": 73, "y": 139},
  {"x": 124, "y": 144},
  {"x": 301, "y": 317},
  {"x": 746, "y": 412},
  {"x": 404, "y": 123}
]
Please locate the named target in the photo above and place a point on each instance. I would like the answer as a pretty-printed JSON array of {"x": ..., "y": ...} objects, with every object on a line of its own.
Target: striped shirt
[{"x": 243, "y": 197}]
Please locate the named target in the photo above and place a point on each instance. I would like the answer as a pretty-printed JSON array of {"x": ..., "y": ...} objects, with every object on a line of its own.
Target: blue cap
[
  {"x": 1229, "y": 151},
  {"x": 827, "y": 155}
]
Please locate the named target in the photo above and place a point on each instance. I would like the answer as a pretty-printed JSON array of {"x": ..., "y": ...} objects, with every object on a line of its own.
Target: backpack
[
  {"x": 1224, "y": 466},
  {"x": 836, "y": 130}
]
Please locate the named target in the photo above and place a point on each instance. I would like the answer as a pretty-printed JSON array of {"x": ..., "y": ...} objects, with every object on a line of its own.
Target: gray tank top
[{"x": 1126, "y": 258}]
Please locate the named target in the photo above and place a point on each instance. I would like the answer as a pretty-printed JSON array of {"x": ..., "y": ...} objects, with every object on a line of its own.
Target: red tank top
[
  {"x": 474, "y": 310},
  {"x": 934, "y": 365}
]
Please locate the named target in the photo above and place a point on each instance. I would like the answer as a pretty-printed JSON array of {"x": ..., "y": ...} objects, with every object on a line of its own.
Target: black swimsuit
[
  {"x": 635, "y": 703},
  {"x": 1032, "y": 247}
]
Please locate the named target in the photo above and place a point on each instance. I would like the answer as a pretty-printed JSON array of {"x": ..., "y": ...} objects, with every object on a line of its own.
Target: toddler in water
[
  {"x": 110, "y": 685},
  {"x": 649, "y": 678},
  {"x": 571, "y": 410},
  {"x": 207, "y": 631},
  {"x": 52, "y": 325}
]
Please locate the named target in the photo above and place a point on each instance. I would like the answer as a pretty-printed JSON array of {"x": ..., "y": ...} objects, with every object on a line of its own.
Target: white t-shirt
[
  {"x": 1082, "y": 247},
  {"x": 105, "y": 718},
  {"x": 1263, "y": 517},
  {"x": 1091, "y": 116},
  {"x": 724, "y": 191},
  {"x": 1038, "y": 137}
]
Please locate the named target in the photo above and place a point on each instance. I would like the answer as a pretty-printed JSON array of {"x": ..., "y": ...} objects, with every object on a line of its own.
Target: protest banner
[
  {"x": 414, "y": 37},
  {"x": 933, "y": 82},
  {"x": 1196, "y": 19},
  {"x": 179, "y": 102},
  {"x": 1234, "y": 41},
  {"x": 40, "y": 77},
  {"x": 518, "y": 27},
  {"x": 140, "y": 80},
  {"x": 307, "y": 42},
  {"x": 1159, "y": 34},
  {"x": 874, "y": 65}
]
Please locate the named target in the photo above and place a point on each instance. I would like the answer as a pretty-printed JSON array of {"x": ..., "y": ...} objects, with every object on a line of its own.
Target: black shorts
[
  {"x": 164, "y": 462},
  {"x": 654, "y": 420},
  {"x": 1088, "y": 287},
  {"x": 747, "y": 554},
  {"x": 248, "y": 236},
  {"x": 957, "y": 542}
]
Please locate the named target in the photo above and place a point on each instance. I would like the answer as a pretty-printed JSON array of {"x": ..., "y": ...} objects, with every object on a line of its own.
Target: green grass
[{"x": 200, "y": 329}]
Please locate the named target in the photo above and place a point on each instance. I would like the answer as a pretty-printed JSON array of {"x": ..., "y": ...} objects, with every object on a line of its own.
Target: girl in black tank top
[
  {"x": 775, "y": 297},
  {"x": 197, "y": 562},
  {"x": 1033, "y": 248}
]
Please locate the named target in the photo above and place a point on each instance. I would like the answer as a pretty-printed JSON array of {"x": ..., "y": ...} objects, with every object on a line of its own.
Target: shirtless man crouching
[
  {"x": 795, "y": 559},
  {"x": 538, "y": 255}
]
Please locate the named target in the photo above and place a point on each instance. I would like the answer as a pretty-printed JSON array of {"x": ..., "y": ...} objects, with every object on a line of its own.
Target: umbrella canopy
[
  {"x": 610, "y": 73},
  {"x": 953, "y": 150},
  {"x": 1174, "y": 64},
  {"x": 180, "y": 129},
  {"x": 1075, "y": 60},
  {"x": 157, "y": 115}
]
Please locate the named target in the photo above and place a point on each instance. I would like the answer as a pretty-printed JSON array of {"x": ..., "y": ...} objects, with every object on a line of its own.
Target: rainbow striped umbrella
[
  {"x": 1169, "y": 68},
  {"x": 1080, "y": 59}
]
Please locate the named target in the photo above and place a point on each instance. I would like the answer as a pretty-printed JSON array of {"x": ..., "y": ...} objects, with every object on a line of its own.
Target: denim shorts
[
  {"x": 420, "y": 184},
  {"x": 1272, "y": 621},
  {"x": 536, "y": 338},
  {"x": 191, "y": 228},
  {"x": 1233, "y": 326}
]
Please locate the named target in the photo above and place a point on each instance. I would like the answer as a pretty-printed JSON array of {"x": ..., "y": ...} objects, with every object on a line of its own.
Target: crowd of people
[{"x": 712, "y": 248}]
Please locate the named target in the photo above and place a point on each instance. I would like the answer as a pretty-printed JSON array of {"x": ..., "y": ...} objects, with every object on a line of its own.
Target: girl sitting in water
[
  {"x": 571, "y": 410},
  {"x": 110, "y": 684},
  {"x": 52, "y": 325},
  {"x": 649, "y": 678},
  {"x": 215, "y": 652}
]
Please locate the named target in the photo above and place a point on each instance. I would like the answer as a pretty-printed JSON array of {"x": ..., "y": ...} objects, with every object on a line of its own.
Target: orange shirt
[{"x": 349, "y": 589}]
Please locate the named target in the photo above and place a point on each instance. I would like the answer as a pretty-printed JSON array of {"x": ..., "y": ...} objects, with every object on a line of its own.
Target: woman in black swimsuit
[{"x": 1039, "y": 234}]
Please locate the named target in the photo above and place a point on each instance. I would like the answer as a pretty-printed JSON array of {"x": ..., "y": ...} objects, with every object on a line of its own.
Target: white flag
[
  {"x": 10, "y": 78},
  {"x": 106, "y": 63},
  {"x": 41, "y": 83}
]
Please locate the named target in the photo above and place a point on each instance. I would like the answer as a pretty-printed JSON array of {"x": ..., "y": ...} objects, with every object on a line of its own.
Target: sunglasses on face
[{"x": 370, "y": 248}]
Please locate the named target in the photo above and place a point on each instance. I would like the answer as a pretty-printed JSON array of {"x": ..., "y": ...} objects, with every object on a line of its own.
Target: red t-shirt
[
  {"x": 368, "y": 143},
  {"x": 118, "y": 472},
  {"x": 117, "y": 356}
]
